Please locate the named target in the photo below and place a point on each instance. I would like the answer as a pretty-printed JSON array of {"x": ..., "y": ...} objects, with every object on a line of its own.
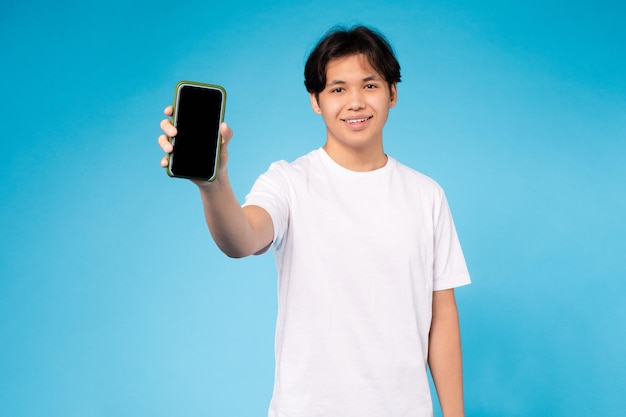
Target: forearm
[
  {"x": 445, "y": 358},
  {"x": 233, "y": 231},
  {"x": 237, "y": 232}
]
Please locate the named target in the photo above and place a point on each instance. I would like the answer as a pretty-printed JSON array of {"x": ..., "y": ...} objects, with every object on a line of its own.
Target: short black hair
[{"x": 341, "y": 42}]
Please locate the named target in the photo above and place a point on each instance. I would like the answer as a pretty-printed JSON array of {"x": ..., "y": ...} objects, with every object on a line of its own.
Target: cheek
[
  {"x": 385, "y": 105},
  {"x": 330, "y": 110},
  {"x": 328, "y": 119}
]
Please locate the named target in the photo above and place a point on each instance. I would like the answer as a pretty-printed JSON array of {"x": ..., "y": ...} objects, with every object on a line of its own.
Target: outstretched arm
[
  {"x": 444, "y": 356},
  {"x": 237, "y": 231}
]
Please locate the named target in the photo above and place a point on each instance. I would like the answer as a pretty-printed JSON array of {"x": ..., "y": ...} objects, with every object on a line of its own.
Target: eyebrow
[{"x": 341, "y": 82}]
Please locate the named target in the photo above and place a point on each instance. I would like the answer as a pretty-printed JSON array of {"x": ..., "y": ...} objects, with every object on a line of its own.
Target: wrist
[{"x": 219, "y": 182}]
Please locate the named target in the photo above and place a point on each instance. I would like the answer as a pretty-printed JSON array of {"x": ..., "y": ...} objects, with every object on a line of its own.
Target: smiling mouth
[{"x": 357, "y": 121}]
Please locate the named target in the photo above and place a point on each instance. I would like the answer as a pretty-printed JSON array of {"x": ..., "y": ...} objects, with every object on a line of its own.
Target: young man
[{"x": 366, "y": 251}]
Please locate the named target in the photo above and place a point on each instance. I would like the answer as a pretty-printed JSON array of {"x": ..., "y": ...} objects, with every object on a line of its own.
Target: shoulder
[
  {"x": 413, "y": 177},
  {"x": 304, "y": 161},
  {"x": 283, "y": 174},
  {"x": 300, "y": 166}
]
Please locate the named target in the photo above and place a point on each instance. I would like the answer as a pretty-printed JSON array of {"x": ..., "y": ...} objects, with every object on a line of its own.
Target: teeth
[{"x": 354, "y": 121}]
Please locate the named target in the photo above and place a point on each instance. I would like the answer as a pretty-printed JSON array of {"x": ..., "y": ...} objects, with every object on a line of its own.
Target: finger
[
  {"x": 226, "y": 133},
  {"x": 165, "y": 161},
  {"x": 169, "y": 110},
  {"x": 168, "y": 128},
  {"x": 165, "y": 144}
]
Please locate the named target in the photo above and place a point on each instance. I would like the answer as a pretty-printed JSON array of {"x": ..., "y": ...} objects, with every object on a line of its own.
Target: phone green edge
[{"x": 223, "y": 112}]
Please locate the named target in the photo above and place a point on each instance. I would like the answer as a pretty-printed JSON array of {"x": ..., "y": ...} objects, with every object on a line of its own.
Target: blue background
[{"x": 114, "y": 299}]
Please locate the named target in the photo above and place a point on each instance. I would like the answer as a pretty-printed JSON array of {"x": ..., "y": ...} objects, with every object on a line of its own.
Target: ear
[
  {"x": 393, "y": 90},
  {"x": 315, "y": 105}
]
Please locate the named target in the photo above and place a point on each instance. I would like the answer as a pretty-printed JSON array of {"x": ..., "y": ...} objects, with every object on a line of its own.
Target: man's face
[{"x": 354, "y": 104}]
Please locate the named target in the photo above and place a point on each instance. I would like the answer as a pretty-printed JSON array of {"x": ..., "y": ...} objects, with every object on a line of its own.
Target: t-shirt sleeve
[
  {"x": 271, "y": 192},
  {"x": 450, "y": 269}
]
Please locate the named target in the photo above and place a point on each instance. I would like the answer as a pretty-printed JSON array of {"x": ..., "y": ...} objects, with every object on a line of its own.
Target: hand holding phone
[{"x": 198, "y": 112}]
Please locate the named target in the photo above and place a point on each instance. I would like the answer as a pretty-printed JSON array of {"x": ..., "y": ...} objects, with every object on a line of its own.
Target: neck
[{"x": 358, "y": 160}]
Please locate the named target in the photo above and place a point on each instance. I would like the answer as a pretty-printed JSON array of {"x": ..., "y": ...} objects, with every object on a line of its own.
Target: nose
[{"x": 355, "y": 100}]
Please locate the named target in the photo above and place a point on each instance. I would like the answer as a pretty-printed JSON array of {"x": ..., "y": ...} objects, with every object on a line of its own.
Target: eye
[
  {"x": 370, "y": 86},
  {"x": 337, "y": 90}
]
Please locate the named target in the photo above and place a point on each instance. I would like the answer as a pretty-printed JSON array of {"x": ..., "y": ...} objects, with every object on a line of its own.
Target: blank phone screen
[{"x": 198, "y": 114}]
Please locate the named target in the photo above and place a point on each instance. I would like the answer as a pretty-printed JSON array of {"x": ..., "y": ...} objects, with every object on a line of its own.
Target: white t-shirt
[{"x": 358, "y": 255}]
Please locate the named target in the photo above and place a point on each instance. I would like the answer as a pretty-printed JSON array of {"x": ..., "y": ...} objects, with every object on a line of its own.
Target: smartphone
[{"x": 198, "y": 111}]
